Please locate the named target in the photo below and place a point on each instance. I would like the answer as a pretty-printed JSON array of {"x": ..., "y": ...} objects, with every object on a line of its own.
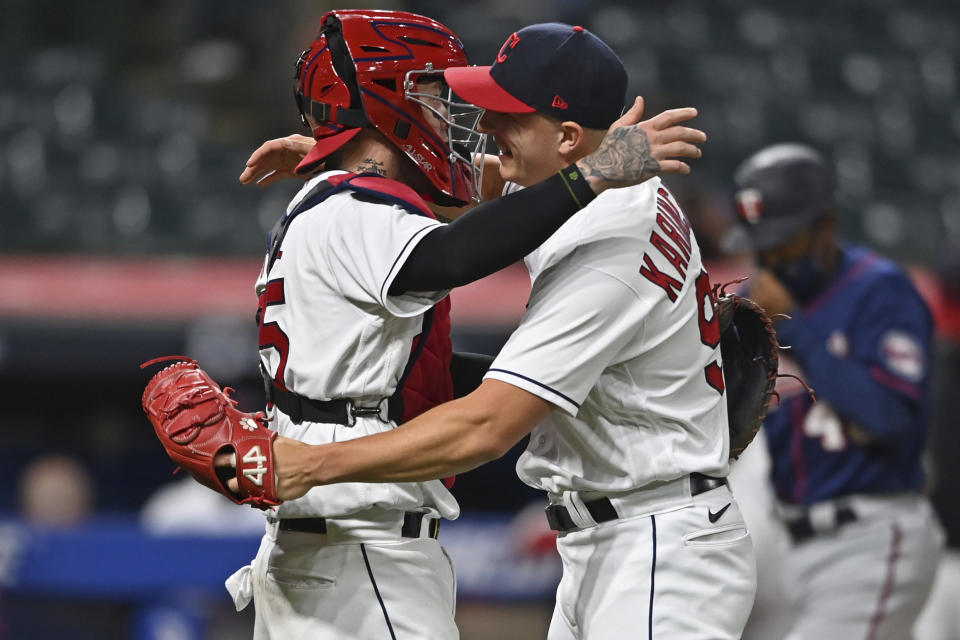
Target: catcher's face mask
[
  {"x": 453, "y": 120},
  {"x": 376, "y": 69}
]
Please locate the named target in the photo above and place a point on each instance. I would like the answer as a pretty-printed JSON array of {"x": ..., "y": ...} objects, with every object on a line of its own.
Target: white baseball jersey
[
  {"x": 621, "y": 337},
  {"x": 612, "y": 338},
  {"x": 337, "y": 333}
]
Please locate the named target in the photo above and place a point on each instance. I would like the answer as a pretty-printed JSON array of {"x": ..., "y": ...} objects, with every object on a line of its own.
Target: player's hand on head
[
  {"x": 631, "y": 116},
  {"x": 670, "y": 139},
  {"x": 276, "y": 160},
  {"x": 635, "y": 150},
  {"x": 292, "y": 468}
]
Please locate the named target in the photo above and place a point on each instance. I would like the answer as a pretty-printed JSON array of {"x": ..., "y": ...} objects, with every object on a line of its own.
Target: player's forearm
[
  {"x": 607, "y": 167},
  {"x": 447, "y": 440}
]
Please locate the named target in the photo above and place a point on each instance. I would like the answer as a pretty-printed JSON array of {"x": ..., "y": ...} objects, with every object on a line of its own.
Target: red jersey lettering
[{"x": 670, "y": 285}]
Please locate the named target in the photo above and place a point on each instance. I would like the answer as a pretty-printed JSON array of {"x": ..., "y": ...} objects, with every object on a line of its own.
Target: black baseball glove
[{"x": 749, "y": 347}]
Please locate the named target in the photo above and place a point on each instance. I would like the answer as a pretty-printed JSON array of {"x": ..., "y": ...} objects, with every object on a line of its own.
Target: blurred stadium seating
[{"x": 119, "y": 154}]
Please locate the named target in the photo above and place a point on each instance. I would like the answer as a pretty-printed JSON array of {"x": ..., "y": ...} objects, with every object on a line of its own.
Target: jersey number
[
  {"x": 255, "y": 472},
  {"x": 271, "y": 335},
  {"x": 709, "y": 328},
  {"x": 821, "y": 422}
]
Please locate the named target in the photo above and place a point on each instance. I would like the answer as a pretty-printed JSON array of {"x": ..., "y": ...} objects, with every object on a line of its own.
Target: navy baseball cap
[
  {"x": 552, "y": 68},
  {"x": 781, "y": 190}
]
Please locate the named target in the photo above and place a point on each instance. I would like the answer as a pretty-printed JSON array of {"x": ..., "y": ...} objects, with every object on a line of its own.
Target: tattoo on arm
[
  {"x": 624, "y": 156},
  {"x": 369, "y": 165}
]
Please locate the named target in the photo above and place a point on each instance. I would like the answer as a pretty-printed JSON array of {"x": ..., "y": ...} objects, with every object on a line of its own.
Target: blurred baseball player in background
[
  {"x": 615, "y": 368},
  {"x": 846, "y": 469},
  {"x": 351, "y": 301}
]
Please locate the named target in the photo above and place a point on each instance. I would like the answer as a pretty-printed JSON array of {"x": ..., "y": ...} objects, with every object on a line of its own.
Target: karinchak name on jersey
[{"x": 673, "y": 243}]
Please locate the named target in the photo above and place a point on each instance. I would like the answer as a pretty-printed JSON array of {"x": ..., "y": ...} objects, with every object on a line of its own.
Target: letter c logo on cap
[{"x": 511, "y": 42}]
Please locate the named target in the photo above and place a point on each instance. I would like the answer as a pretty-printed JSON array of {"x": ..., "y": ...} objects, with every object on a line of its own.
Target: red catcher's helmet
[{"x": 366, "y": 69}]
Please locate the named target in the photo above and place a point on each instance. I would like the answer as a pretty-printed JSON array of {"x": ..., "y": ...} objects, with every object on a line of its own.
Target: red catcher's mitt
[
  {"x": 196, "y": 420},
  {"x": 750, "y": 351}
]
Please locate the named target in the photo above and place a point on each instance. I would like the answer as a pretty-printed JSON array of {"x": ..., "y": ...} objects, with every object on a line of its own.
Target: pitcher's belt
[{"x": 602, "y": 509}]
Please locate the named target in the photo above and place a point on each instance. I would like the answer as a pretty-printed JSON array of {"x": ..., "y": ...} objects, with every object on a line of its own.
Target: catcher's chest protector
[{"x": 427, "y": 382}]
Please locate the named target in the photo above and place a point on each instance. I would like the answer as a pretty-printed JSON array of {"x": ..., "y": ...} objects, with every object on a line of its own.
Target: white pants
[
  {"x": 869, "y": 578},
  {"x": 340, "y": 587},
  {"x": 940, "y": 618},
  {"x": 670, "y": 574}
]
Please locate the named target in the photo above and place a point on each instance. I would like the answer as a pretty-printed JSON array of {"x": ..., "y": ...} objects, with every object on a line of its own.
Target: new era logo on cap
[{"x": 559, "y": 103}]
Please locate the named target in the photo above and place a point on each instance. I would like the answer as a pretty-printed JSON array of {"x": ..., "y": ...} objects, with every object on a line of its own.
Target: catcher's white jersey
[
  {"x": 338, "y": 334},
  {"x": 348, "y": 338},
  {"x": 611, "y": 338}
]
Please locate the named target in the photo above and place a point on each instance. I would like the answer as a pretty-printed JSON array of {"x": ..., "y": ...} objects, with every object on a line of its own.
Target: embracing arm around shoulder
[
  {"x": 452, "y": 438},
  {"x": 490, "y": 237}
]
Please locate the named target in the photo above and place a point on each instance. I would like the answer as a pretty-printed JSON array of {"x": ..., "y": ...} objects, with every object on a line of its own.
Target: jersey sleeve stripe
[
  {"x": 404, "y": 253},
  {"x": 567, "y": 399}
]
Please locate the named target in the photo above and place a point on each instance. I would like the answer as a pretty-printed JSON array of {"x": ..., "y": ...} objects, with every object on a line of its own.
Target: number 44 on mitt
[
  {"x": 196, "y": 420},
  {"x": 749, "y": 348}
]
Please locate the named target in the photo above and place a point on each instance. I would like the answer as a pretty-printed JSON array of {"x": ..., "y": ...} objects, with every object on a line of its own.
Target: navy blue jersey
[{"x": 864, "y": 345}]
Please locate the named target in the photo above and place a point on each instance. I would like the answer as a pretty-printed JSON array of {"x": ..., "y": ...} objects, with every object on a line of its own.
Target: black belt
[
  {"x": 801, "y": 527},
  {"x": 601, "y": 509},
  {"x": 412, "y": 521},
  {"x": 337, "y": 411}
]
